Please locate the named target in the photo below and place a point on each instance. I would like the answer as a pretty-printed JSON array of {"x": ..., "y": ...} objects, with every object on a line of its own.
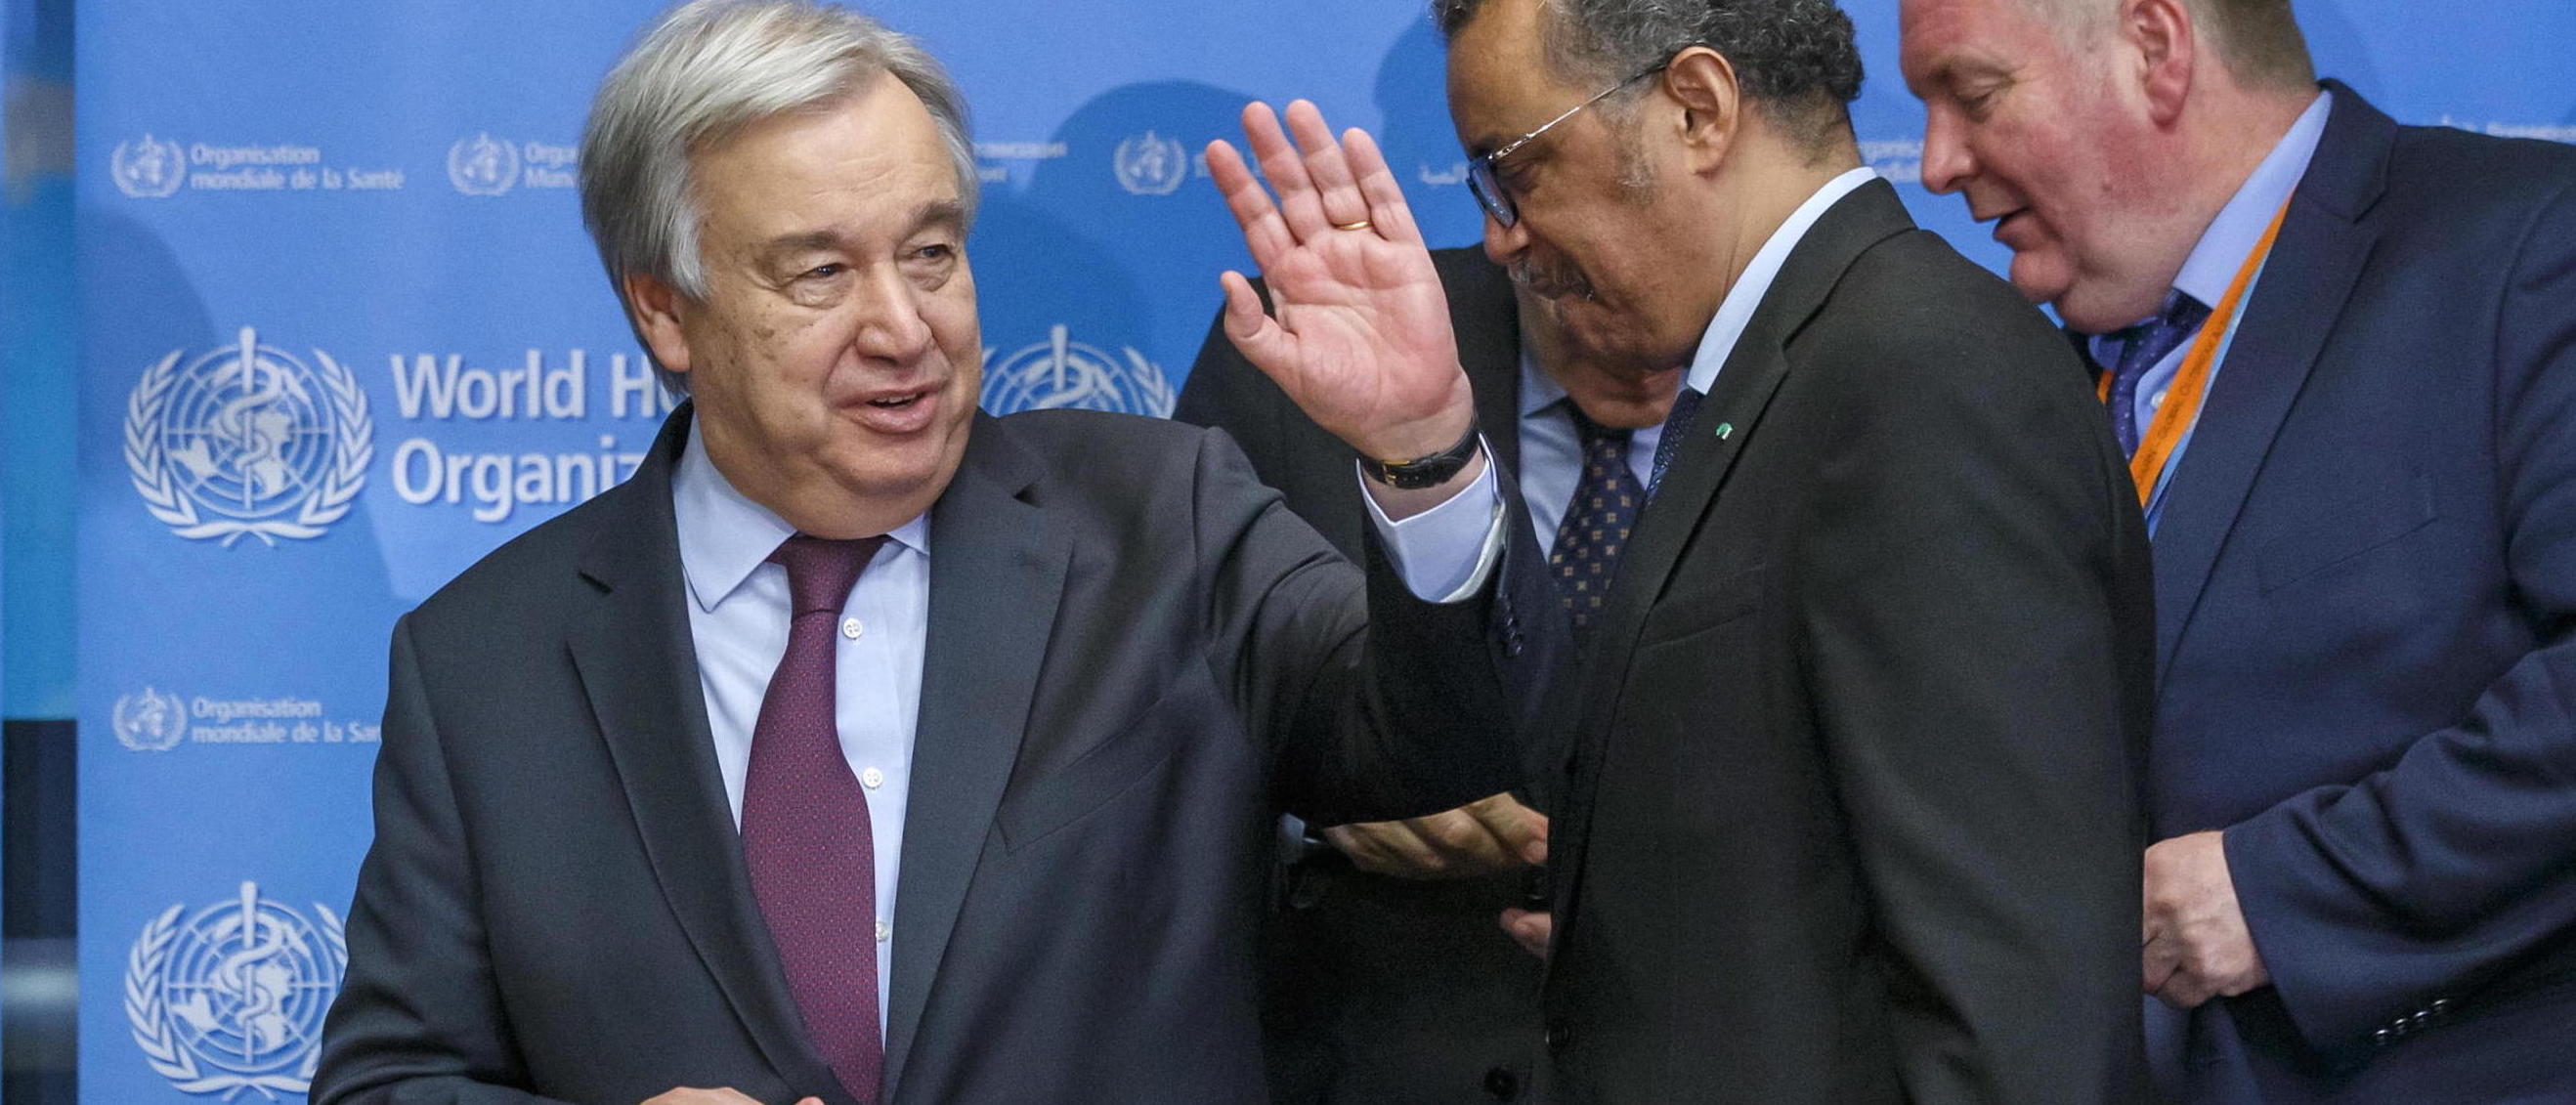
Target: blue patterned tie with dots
[
  {"x": 2142, "y": 346},
  {"x": 1677, "y": 425},
  {"x": 1597, "y": 520}
]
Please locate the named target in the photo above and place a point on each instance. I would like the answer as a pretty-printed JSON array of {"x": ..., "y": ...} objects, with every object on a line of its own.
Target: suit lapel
[
  {"x": 1742, "y": 393},
  {"x": 1487, "y": 319},
  {"x": 2301, "y": 296},
  {"x": 638, "y": 666},
  {"x": 997, "y": 572}
]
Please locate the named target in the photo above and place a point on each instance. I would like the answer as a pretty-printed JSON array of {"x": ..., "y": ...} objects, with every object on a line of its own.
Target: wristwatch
[{"x": 1420, "y": 472}]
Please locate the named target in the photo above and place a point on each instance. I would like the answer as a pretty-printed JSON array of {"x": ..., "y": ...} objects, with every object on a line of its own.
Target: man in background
[
  {"x": 2341, "y": 354},
  {"x": 1392, "y": 977}
]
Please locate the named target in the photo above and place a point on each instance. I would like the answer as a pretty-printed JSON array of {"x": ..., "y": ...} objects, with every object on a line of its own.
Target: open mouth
[{"x": 902, "y": 412}]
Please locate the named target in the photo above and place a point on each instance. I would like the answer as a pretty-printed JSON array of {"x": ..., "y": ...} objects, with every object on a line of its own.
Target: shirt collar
[
  {"x": 725, "y": 537},
  {"x": 2232, "y": 236},
  {"x": 1717, "y": 343},
  {"x": 1539, "y": 391}
]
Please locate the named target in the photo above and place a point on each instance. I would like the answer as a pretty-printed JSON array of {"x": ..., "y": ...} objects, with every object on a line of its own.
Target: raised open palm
[{"x": 1361, "y": 337}]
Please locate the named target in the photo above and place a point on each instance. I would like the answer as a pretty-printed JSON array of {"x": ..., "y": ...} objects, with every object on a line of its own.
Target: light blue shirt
[
  {"x": 1735, "y": 312},
  {"x": 738, "y": 624},
  {"x": 1552, "y": 451},
  {"x": 2212, "y": 266}
]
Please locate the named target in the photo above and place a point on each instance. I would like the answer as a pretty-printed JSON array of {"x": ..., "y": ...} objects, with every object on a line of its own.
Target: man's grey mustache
[{"x": 1550, "y": 284}]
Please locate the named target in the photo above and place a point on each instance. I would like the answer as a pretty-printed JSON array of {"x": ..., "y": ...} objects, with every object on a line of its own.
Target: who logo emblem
[
  {"x": 149, "y": 722},
  {"x": 1149, "y": 164},
  {"x": 482, "y": 166},
  {"x": 1060, "y": 374},
  {"x": 248, "y": 440},
  {"x": 148, "y": 168},
  {"x": 232, "y": 998}
]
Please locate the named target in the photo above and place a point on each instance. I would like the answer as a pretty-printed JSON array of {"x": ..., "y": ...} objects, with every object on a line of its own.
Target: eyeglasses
[{"x": 1488, "y": 188}]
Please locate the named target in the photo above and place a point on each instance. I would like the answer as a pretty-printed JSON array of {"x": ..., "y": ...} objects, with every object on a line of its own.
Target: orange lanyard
[{"x": 2174, "y": 417}]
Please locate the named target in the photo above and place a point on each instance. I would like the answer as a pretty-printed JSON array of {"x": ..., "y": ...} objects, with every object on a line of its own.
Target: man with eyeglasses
[{"x": 1850, "y": 802}]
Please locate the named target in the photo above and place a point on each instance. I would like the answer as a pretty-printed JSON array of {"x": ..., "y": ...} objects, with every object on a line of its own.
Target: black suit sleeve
[
  {"x": 1976, "y": 634},
  {"x": 418, "y": 1019},
  {"x": 1373, "y": 703}
]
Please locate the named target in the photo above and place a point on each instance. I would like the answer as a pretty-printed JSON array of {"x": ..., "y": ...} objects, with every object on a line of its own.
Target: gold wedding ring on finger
[{"x": 1361, "y": 224}]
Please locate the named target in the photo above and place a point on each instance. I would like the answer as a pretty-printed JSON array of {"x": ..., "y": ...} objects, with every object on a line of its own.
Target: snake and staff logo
[
  {"x": 1149, "y": 164},
  {"x": 149, "y": 722},
  {"x": 248, "y": 440},
  {"x": 1061, "y": 373},
  {"x": 232, "y": 999},
  {"x": 482, "y": 165},
  {"x": 148, "y": 168}
]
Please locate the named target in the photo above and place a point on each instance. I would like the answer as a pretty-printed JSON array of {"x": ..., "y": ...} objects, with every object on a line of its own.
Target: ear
[
  {"x": 2167, "y": 47},
  {"x": 654, "y": 308},
  {"x": 1703, "y": 82}
]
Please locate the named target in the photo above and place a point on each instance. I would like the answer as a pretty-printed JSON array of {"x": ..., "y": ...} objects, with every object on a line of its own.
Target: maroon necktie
[{"x": 805, "y": 830}]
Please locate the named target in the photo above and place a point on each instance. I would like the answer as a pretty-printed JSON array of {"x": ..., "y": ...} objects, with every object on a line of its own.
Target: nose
[
  {"x": 1947, "y": 165},
  {"x": 891, "y": 328},
  {"x": 1503, "y": 244}
]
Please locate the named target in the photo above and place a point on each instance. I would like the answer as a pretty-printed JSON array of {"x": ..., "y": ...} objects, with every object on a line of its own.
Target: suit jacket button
[
  {"x": 1501, "y": 1084},
  {"x": 1558, "y": 1035},
  {"x": 2382, "y": 1038}
]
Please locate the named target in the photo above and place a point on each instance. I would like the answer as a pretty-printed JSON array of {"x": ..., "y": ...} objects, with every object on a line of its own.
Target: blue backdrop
[{"x": 342, "y": 335}]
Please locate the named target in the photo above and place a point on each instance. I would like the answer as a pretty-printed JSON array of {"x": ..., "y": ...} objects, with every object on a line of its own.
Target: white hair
[{"x": 701, "y": 74}]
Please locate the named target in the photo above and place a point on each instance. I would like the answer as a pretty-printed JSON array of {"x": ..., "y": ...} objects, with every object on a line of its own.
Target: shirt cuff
[{"x": 1446, "y": 553}]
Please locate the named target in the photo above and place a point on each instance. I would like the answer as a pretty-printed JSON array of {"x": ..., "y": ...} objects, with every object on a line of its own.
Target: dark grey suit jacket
[
  {"x": 1136, "y": 657},
  {"x": 1854, "y": 811}
]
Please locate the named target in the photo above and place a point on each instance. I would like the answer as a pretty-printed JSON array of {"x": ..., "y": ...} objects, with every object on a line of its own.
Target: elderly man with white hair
[{"x": 864, "y": 747}]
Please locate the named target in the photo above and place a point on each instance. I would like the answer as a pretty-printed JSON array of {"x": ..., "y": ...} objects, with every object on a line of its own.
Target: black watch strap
[{"x": 1430, "y": 471}]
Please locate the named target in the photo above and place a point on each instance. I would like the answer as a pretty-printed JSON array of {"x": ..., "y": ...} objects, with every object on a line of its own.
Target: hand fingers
[
  {"x": 1522, "y": 830},
  {"x": 2185, "y": 991},
  {"x": 1264, "y": 231},
  {"x": 1386, "y": 848},
  {"x": 2159, "y": 960},
  {"x": 1298, "y": 204},
  {"x": 1465, "y": 844},
  {"x": 1387, "y": 210},
  {"x": 1335, "y": 187},
  {"x": 1361, "y": 847},
  {"x": 686, "y": 1095},
  {"x": 1530, "y": 929}
]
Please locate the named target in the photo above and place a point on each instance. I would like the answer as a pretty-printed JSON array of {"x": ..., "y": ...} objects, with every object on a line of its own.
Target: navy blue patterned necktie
[
  {"x": 1597, "y": 519},
  {"x": 2143, "y": 345}
]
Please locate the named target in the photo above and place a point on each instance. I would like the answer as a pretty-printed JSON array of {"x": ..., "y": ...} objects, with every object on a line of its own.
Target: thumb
[{"x": 1254, "y": 333}]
